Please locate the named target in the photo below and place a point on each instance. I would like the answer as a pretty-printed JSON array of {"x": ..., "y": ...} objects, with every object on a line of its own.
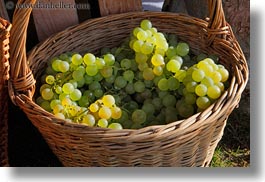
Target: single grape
[
  {"x": 201, "y": 90},
  {"x": 158, "y": 70},
  {"x": 139, "y": 116},
  {"x": 77, "y": 59},
  {"x": 185, "y": 110},
  {"x": 115, "y": 126},
  {"x": 157, "y": 60},
  {"x": 103, "y": 123},
  {"x": 147, "y": 48},
  {"x": 148, "y": 108},
  {"x": 139, "y": 86},
  {"x": 50, "y": 79},
  {"x": 198, "y": 75},
  {"x": 148, "y": 74},
  {"x": 58, "y": 108},
  {"x": 173, "y": 66},
  {"x": 203, "y": 102},
  {"x": 191, "y": 86},
  {"x": 126, "y": 63},
  {"x": 54, "y": 102},
  {"x": 105, "y": 112},
  {"x": 142, "y": 35},
  {"x": 136, "y": 30},
  {"x": 224, "y": 73},
  {"x": 55, "y": 64},
  {"x": 116, "y": 112},
  {"x": 91, "y": 70},
  {"x": 120, "y": 82},
  {"x": 83, "y": 101},
  {"x": 100, "y": 63},
  {"x": 190, "y": 98},
  {"x": 64, "y": 66},
  {"x": 142, "y": 66},
  {"x": 128, "y": 75},
  {"x": 68, "y": 88},
  {"x": 109, "y": 59},
  {"x": 47, "y": 94},
  {"x": 214, "y": 92},
  {"x": 216, "y": 76},
  {"x": 98, "y": 93},
  {"x": 94, "y": 107},
  {"x": 137, "y": 45},
  {"x": 146, "y": 24},
  {"x": 108, "y": 100},
  {"x": 183, "y": 49},
  {"x": 169, "y": 100},
  {"x": 94, "y": 86},
  {"x": 89, "y": 120},
  {"x": 89, "y": 59},
  {"x": 129, "y": 89},
  {"x": 140, "y": 58},
  {"x": 77, "y": 75},
  {"x": 163, "y": 84},
  {"x": 76, "y": 95},
  {"x": 173, "y": 83}
]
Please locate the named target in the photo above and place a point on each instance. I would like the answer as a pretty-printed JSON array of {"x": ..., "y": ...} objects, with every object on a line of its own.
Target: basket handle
[{"x": 21, "y": 76}]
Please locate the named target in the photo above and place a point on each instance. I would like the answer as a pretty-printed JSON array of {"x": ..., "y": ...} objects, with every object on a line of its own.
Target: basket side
[{"x": 4, "y": 75}]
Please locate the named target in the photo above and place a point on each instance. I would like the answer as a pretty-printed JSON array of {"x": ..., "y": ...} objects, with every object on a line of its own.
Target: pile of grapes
[{"x": 150, "y": 79}]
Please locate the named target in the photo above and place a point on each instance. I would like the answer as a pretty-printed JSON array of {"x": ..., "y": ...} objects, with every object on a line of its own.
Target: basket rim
[{"x": 151, "y": 129}]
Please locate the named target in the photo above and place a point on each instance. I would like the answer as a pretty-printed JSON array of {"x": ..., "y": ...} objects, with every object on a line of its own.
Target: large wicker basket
[
  {"x": 189, "y": 142},
  {"x": 5, "y": 28}
]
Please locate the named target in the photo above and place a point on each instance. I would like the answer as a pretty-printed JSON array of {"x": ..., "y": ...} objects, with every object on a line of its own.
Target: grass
[{"x": 234, "y": 148}]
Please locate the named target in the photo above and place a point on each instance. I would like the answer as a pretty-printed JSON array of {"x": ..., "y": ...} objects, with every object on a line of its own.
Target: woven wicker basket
[
  {"x": 189, "y": 142},
  {"x": 4, "y": 76}
]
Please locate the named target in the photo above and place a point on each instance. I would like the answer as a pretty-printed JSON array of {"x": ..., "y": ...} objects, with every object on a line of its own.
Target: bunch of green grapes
[{"x": 150, "y": 79}]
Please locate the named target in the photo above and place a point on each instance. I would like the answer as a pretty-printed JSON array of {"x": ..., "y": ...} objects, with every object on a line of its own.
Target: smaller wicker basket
[{"x": 5, "y": 27}]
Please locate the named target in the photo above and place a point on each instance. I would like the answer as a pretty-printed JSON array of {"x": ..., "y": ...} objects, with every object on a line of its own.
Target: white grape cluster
[{"x": 151, "y": 78}]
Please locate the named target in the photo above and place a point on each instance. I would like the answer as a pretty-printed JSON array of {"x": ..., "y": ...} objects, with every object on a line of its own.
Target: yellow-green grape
[
  {"x": 45, "y": 86},
  {"x": 106, "y": 72},
  {"x": 63, "y": 66},
  {"x": 91, "y": 70},
  {"x": 148, "y": 74},
  {"x": 55, "y": 64},
  {"x": 171, "y": 52},
  {"x": 100, "y": 63},
  {"x": 140, "y": 57},
  {"x": 157, "y": 60},
  {"x": 139, "y": 86},
  {"x": 151, "y": 40},
  {"x": 191, "y": 86},
  {"x": 68, "y": 88},
  {"x": 47, "y": 94},
  {"x": 147, "y": 48},
  {"x": 224, "y": 73},
  {"x": 109, "y": 59},
  {"x": 203, "y": 102},
  {"x": 136, "y": 30},
  {"x": 89, "y": 59},
  {"x": 105, "y": 112},
  {"x": 182, "y": 49},
  {"x": 89, "y": 120},
  {"x": 163, "y": 84},
  {"x": 160, "y": 51},
  {"x": 128, "y": 75},
  {"x": 180, "y": 75},
  {"x": 146, "y": 24},
  {"x": 76, "y": 95},
  {"x": 103, "y": 123},
  {"x": 142, "y": 66},
  {"x": 201, "y": 90},
  {"x": 190, "y": 98},
  {"x": 173, "y": 66},
  {"x": 206, "y": 67},
  {"x": 162, "y": 45},
  {"x": 115, "y": 126},
  {"x": 54, "y": 102},
  {"x": 63, "y": 95},
  {"x": 198, "y": 75},
  {"x": 209, "y": 60},
  {"x": 116, "y": 112},
  {"x": 50, "y": 79},
  {"x": 216, "y": 76},
  {"x": 59, "y": 115},
  {"x": 207, "y": 81},
  {"x": 131, "y": 43},
  {"x": 94, "y": 107},
  {"x": 142, "y": 35},
  {"x": 137, "y": 45},
  {"x": 77, "y": 59},
  {"x": 158, "y": 70},
  {"x": 214, "y": 92},
  {"x": 108, "y": 100}
]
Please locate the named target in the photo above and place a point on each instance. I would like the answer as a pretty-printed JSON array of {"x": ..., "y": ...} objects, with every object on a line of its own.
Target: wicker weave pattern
[
  {"x": 189, "y": 142},
  {"x": 4, "y": 76}
]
